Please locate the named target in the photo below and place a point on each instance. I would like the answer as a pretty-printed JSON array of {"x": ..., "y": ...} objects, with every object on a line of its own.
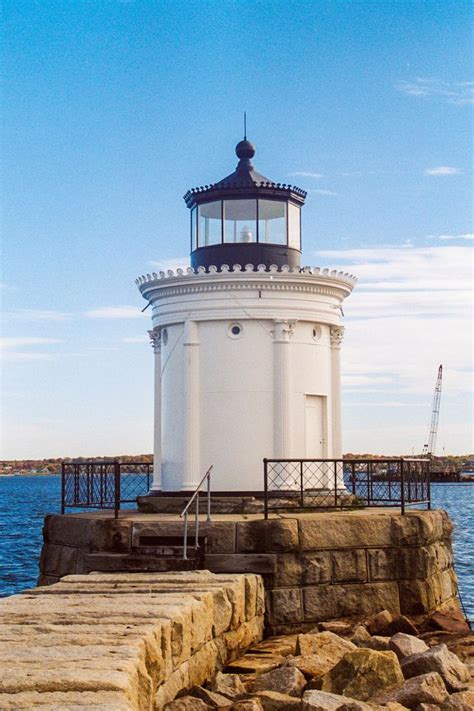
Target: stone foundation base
[{"x": 315, "y": 566}]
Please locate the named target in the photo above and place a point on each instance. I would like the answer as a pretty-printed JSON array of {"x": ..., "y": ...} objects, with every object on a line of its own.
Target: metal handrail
[{"x": 185, "y": 512}]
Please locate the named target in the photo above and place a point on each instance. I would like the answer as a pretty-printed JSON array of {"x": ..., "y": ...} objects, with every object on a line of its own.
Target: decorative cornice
[
  {"x": 336, "y": 334},
  {"x": 249, "y": 270}
]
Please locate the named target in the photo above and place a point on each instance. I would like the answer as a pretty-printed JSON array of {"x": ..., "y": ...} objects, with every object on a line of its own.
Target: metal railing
[
  {"x": 185, "y": 512},
  {"x": 103, "y": 484},
  {"x": 345, "y": 483}
]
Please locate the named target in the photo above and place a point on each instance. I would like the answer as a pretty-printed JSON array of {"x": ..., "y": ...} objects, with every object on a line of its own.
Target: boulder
[
  {"x": 250, "y": 663},
  {"x": 327, "y": 649},
  {"x": 428, "y": 707},
  {"x": 274, "y": 701},
  {"x": 247, "y": 705},
  {"x": 454, "y": 673},
  {"x": 228, "y": 685},
  {"x": 379, "y": 621},
  {"x": 285, "y": 680},
  {"x": 461, "y": 701},
  {"x": 404, "y": 645},
  {"x": 326, "y": 643},
  {"x": 400, "y": 623},
  {"x": 340, "y": 627},
  {"x": 426, "y": 688},
  {"x": 377, "y": 642},
  {"x": 449, "y": 621},
  {"x": 364, "y": 673},
  {"x": 322, "y": 701},
  {"x": 360, "y": 635},
  {"x": 211, "y": 698},
  {"x": 187, "y": 703}
]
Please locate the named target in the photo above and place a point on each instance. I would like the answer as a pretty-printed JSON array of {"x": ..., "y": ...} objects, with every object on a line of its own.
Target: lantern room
[{"x": 245, "y": 219}]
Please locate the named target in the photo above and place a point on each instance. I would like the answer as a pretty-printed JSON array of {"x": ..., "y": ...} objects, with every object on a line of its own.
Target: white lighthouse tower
[{"x": 246, "y": 341}]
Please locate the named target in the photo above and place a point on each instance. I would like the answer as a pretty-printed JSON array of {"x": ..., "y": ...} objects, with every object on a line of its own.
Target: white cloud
[
  {"x": 467, "y": 236},
  {"x": 306, "y": 174},
  {"x": 442, "y": 170},
  {"x": 37, "y": 315},
  {"x": 173, "y": 263},
  {"x": 460, "y": 93},
  {"x": 410, "y": 311},
  {"x": 114, "y": 312},
  {"x": 323, "y": 192},
  {"x": 8, "y": 342},
  {"x": 136, "y": 339}
]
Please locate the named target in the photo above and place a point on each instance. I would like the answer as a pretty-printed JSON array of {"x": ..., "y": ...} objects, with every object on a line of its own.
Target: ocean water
[{"x": 24, "y": 501}]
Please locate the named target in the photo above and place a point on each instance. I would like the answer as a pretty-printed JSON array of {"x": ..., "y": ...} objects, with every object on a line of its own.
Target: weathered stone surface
[
  {"x": 248, "y": 705},
  {"x": 254, "y": 663},
  {"x": 289, "y": 570},
  {"x": 424, "y": 596},
  {"x": 400, "y": 623},
  {"x": 380, "y": 644},
  {"x": 228, "y": 685},
  {"x": 339, "y": 627},
  {"x": 349, "y": 566},
  {"x": 363, "y": 673},
  {"x": 405, "y": 645},
  {"x": 275, "y": 535},
  {"x": 345, "y": 530},
  {"x": 460, "y": 701},
  {"x": 53, "y": 701},
  {"x": 286, "y": 605},
  {"x": 316, "y": 567},
  {"x": 274, "y": 701},
  {"x": 187, "y": 703},
  {"x": 276, "y": 645},
  {"x": 325, "y": 644},
  {"x": 439, "y": 659},
  {"x": 328, "y": 650},
  {"x": 426, "y": 688},
  {"x": 379, "y": 621},
  {"x": 328, "y": 601},
  {"x": 322, "y": 701},
  {"x": 57, "y": 560},
  {"x": 286, "y": 680},
  {"x": 360, "y": 635},
  {"x": 450, "y": 621},
  {"x": 211, "y": 698}
]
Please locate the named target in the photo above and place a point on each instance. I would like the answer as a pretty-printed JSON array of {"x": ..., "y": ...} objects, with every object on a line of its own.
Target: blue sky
[{"x": 114, "y": 109}]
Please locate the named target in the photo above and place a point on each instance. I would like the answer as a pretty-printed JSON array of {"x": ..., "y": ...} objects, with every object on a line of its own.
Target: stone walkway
[{"x": 123, "y": 641}]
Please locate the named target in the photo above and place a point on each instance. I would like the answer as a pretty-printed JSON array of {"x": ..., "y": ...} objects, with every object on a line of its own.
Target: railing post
[
  {"x": 209, "y": 496},
  {"x": 353, "y": 479},
  {"x": 402, "y": 485},
  {"x": 301, "y": 485},
  {"x": 185, "y": 539},
  {"x": 428, "y": 483},
  {"x": 116, "y": 488},
  {"x": 196, "y": 540},
  {"x": 63, "y": 487},
  {"x": 335, "y": 484},
  {"x": 369, "y": 483},
  {"x": 265, "y": 488}
]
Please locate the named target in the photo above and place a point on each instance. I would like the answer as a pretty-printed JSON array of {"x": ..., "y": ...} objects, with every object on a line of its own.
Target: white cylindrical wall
[{"x": 249, "y": 369}]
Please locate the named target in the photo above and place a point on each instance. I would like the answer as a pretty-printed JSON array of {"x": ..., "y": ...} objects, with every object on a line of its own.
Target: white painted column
[
  {"x": 155, "y": 340},
  {"x": 191, "y": 445},
  {"x": 336, "y": 335},
  {"x": 282, "y": 333}
]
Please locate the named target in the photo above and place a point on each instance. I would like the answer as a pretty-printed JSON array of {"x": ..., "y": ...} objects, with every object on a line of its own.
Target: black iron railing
[
  {"x": 103, "y": 484},
  {"x": 345, "y": 483}
]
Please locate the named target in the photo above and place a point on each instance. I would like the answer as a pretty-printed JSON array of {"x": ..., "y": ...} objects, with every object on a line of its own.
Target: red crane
[{"x": 430, "y": 446}]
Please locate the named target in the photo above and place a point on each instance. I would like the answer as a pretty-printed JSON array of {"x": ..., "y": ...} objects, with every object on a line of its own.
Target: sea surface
[{"x": 24, "y": 501}]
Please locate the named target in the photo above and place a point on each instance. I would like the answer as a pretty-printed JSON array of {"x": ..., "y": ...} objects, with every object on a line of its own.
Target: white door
[{"x": 315, "y": 425}]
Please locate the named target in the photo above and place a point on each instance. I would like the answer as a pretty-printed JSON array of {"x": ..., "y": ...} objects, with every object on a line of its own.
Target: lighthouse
[{"x": 246, "y": 341}]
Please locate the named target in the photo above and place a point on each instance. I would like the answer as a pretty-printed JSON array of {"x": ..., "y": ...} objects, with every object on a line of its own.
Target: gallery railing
[
  {"x": 103, "y": 484},
  {"x": 345, "y": 483}
]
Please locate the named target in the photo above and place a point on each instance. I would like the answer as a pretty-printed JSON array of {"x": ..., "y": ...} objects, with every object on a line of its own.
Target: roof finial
[{"x": 245, "y": 125}]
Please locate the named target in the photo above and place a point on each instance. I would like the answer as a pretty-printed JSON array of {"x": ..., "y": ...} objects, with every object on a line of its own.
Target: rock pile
[{"x": 380, "y": 664}]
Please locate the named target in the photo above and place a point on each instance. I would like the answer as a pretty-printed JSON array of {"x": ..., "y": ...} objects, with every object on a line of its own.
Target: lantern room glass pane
[
  {"x": 294, "y": 225},
  {"x": 193, "y": 229},
  {"x": 210, "y": 224},
  {"x": 240, "y": 221},
  {"x": 272, "y": 221}
]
